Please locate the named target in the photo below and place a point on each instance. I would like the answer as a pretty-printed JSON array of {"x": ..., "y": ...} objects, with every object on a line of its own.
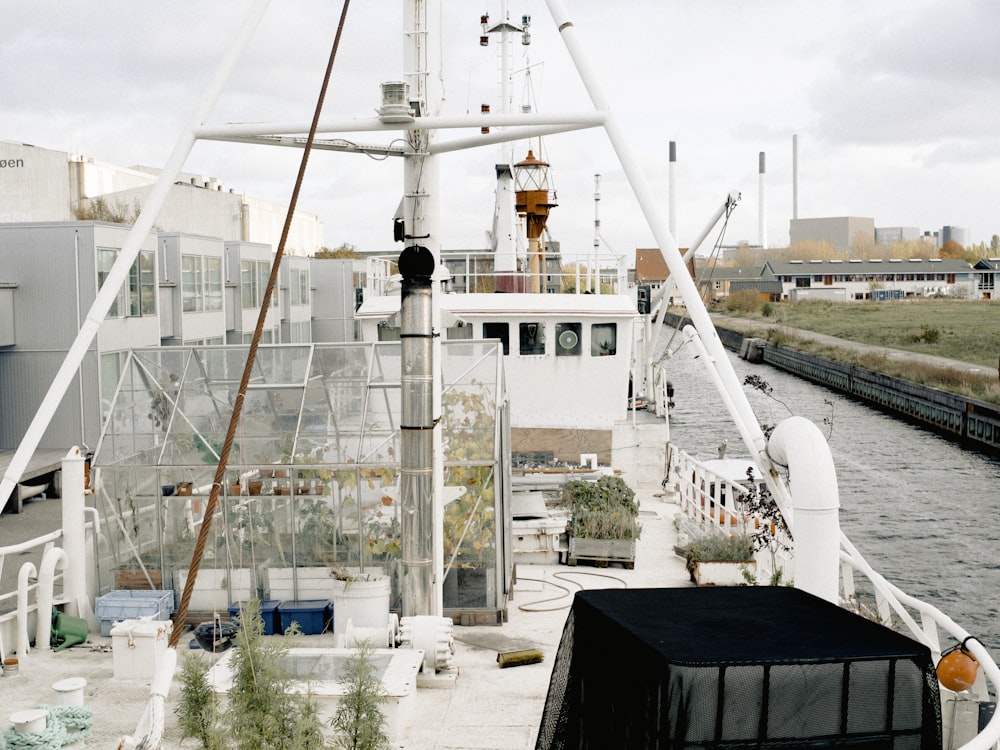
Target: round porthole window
[{"x": 568, "y": 339}]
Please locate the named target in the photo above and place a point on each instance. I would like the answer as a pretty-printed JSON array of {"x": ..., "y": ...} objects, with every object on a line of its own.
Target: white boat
[{"x": 808, "y": 668}]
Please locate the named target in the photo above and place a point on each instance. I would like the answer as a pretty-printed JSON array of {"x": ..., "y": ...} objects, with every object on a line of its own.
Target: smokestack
[
  {"x": 673, "y": 190},
  {"x": 795, "y": 177},
  {"x": 762, "y": 216}
]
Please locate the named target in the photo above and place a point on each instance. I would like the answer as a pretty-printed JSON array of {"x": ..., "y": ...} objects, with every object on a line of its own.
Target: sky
[{"x": 895, "y": 104}]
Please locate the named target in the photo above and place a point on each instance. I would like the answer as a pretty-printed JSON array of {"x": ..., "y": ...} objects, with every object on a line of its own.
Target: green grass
[
  {"x": 963, "y": 330},
  {"x": 968, "y": 331}
]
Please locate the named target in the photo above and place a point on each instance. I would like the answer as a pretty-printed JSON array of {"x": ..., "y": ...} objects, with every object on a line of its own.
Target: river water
[{"x": 923, "y": 512}]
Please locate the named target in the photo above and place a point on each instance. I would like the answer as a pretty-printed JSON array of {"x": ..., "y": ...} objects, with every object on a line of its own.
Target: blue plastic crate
[
  {"x": 268, "y": 613},
  {"x": 123, "y": 604},
  {"x": 312, "y": 615}
]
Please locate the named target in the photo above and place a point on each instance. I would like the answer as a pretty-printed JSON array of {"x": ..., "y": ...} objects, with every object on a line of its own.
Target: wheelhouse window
[
  {"x": 568, "y": 339},
  {"x": 603, "y": 339},
  {"x": 531, "y": 338},
  {"x": 498, "y": 331}
]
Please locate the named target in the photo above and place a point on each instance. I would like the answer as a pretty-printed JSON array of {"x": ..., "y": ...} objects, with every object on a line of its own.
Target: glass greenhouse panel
[{"x": 313, "y": 480}]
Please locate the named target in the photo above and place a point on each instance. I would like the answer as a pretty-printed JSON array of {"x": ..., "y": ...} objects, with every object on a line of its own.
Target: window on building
[
  {"x": 568, "y": 339},
  {"x": 603, "y": 339},
  {"x": 248, "y": 284},
  {"x": 304, "y": 288},
  {"x": 498, "y": 331},
  {"x": 213, "y": 283},
  {"x": 254, "y": 275},
  {"x": 201, "y": 283},
  {"x": 137, "y": 295},
  {"x": 191, "y": 284},
  {"x": 532, "y": 338},
  {"x": 267, "y": 336}
]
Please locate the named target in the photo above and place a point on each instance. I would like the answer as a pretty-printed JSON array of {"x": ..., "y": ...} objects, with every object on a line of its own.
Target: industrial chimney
[
  {"x": 673, "y": 190},
  {"x": 762, "y": 216},
  {"x": 795, "y": 177}
]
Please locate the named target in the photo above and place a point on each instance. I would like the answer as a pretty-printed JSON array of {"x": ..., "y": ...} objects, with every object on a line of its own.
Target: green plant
[
  {"x": 262, "y": 713},
  {"x": 468, "y": 416},
  {"x": 770, "y": 530},
  {"x": 359, "y": 721},
  {"x": 197, "y": 710},
  {"x": 605, "y": 509},
  {"x": 317, "y": 531},
  {"x": 718, "y": 548}
]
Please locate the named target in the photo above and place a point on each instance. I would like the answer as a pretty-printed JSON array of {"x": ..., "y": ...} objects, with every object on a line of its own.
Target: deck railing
[{"x": 474, "y": 272}]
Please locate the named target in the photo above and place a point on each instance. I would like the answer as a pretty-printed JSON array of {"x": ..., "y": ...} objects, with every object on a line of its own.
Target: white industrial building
[
  {"x": 888, "y": 279},
  {"x": 39, "y": 184}
]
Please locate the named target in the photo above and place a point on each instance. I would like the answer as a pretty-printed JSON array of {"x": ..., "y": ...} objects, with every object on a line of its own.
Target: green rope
[
  {"x": 63, "y": 726},
  {"x": 76, "y": 719}
]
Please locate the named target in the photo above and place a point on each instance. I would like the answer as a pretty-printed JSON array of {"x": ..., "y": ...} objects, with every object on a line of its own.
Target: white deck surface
[{"x": 487, "y": 708}]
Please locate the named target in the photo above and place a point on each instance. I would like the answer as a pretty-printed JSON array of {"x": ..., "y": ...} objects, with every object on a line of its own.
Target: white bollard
[
  {"x": 70, "y": 691},
  {"x": 31, "y": 721}
]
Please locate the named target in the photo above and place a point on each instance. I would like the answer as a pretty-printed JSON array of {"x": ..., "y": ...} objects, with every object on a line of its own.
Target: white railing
[
  {"x": 662, "y": 391},
  {"x": 712, "y": 504},
  {"x": 9, "y": 599},
  {"x": 473, "y": 272},
  {"x": 717, "y": 505}
]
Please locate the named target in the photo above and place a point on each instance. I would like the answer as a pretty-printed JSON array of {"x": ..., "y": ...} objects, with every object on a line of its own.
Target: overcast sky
[{"x": 896, "y": 104}]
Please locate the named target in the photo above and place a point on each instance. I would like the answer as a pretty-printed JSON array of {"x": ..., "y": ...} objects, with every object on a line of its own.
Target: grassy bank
[{"x": 968, "y": 331}]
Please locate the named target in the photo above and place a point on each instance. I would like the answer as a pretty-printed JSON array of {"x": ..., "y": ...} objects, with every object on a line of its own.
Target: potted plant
[
  {"x": 721, "y": 560},
  {"x": 603, "y": 526}
]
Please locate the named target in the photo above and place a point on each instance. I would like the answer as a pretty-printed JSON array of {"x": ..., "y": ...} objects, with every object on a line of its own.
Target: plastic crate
[
  {"x": 312, "y": 615},
  {"x": 121, "y": 605},
  {"x": 268, "y": 613}
]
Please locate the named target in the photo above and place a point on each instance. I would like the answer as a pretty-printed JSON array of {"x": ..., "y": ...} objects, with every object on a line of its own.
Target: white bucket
[{"x": 364, "y": 603}]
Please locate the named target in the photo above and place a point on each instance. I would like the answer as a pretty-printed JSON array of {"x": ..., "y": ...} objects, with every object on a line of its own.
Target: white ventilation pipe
[
  {"x": 46, "y": 580},
  {"x": 799, "y": 445},
  {"x": 75, "y": 534},
  {"x": 24, "y": 575}
]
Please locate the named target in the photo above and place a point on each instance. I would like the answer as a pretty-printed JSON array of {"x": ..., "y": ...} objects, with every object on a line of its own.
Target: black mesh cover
[{"x": 739, "y": 667}]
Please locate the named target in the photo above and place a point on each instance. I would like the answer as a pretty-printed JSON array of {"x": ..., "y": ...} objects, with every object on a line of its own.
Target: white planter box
[
  {"x": 216, "y": 588},
  {"x": 711, "y": 573},
  {"x": 314, "y": 583}
]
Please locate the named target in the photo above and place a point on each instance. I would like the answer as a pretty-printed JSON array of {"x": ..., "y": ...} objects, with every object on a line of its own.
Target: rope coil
[{"x": 64, "y": 725}]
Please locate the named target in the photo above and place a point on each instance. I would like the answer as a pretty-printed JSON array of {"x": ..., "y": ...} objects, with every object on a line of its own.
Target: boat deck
[{"x": 486, "y": 707}]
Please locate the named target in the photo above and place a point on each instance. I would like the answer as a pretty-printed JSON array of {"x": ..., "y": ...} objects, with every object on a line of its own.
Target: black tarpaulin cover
[{"x": 735, "y": 667}]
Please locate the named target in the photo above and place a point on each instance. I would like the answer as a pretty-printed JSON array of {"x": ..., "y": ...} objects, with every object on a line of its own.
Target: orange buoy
[{"x": 957, "y": 669}]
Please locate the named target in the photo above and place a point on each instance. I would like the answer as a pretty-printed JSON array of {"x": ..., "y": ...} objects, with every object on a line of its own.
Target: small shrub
[
  {"x": 767, "y": 310},
  {"x": 747, "y": 301},
  {"x": 197, "y": 708},
  {"x": 359, "y": 721},
  {"x": 261, "y": 713},
  {"x": 737, "y": 548},
  {"x": 605, "y": 509}
]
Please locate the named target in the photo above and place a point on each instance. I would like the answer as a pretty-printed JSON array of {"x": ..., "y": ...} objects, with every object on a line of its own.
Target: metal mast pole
[{"x": 421, "y": 471}]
